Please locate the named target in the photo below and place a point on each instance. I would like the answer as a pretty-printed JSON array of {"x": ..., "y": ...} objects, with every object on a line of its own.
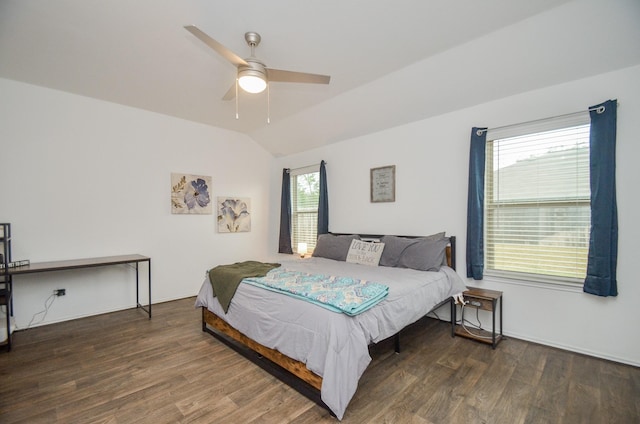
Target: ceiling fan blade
[
  {"x": 222, "y": 50},
  {"x": 231, "y": 93},
  {"x": 279, "y": 75}
]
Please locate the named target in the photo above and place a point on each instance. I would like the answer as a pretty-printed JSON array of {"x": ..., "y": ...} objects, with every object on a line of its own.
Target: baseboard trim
[{"x": 574, "y": 349}]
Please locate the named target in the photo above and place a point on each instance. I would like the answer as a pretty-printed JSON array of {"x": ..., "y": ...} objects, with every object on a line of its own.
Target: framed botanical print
[
  {"x": 190, "y": 194},
  {"x": 234, "y": 214}
]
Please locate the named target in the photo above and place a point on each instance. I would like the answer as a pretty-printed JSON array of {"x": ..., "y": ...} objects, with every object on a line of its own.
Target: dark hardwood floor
[{"x": 123, "y": 368}]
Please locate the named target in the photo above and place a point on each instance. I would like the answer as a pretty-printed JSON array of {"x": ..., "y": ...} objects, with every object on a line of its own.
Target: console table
[{"x": 89, "y": 263}]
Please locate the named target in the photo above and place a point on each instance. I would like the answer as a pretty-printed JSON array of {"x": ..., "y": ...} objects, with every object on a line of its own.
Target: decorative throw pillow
[
  {"x": 365, "y": 252},
  {"x": 333, "y": 247},
  {"x": 425, "y": 255}
]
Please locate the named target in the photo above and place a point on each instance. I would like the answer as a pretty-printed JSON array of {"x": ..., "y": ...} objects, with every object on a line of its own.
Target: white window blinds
[
  {"x": 305, "y": 194},
  {"x": 537, "y": 200}
]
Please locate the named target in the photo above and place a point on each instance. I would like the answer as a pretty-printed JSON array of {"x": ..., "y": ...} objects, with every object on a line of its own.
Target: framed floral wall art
[
  {"x": 234, "y": 214},
  {"x": 190, "y": 194}
]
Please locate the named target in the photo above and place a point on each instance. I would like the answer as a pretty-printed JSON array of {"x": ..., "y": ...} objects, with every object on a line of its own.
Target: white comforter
[{"x": 334, "y": 345}]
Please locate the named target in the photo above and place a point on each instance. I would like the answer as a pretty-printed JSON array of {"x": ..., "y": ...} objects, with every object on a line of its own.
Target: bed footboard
[{"x": 223, "y": 329}]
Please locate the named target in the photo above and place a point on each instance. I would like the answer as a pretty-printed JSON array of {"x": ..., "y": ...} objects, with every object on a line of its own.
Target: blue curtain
[
  {"x": 284, "y": 245},
  {"x": 603, "y": 240},
  {"x": 323, "y": 202},
  {"x": 475, "y": 204}
]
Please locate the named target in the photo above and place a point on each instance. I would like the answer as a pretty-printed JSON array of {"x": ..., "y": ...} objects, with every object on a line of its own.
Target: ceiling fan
[{"x": 253, "y": 75}]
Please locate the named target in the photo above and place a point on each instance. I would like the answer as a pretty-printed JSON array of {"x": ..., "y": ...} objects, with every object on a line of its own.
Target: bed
[{"x": 322, "y": 353}]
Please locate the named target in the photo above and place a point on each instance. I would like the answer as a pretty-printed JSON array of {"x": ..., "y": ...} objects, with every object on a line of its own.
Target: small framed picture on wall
[{"x": 383, "y": 184}]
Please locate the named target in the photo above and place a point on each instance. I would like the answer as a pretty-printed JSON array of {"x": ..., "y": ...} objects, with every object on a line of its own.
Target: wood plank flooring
[{"x": 123, "y": 368}]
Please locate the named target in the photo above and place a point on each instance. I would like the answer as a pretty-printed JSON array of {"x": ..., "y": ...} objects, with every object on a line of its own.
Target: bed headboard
[{"x": 450, "y": 250}]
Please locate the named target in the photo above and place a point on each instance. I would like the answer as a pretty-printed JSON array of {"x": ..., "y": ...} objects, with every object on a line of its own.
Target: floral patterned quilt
[{"x": 346, "y": 295}]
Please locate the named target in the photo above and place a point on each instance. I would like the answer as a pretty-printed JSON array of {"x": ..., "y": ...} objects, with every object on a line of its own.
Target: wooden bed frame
[{"x": 292, "y": 372}]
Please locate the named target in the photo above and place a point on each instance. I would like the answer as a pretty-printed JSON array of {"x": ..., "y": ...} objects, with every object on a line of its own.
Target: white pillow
[{"x": 365, "y": 253}]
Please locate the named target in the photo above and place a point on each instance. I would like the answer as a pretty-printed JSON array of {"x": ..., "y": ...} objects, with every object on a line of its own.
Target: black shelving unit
[{"x": 6, "y": 283}]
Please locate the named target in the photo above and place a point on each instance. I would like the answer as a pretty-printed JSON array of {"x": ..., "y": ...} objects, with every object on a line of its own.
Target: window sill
[{"x": 548, "y": 284}]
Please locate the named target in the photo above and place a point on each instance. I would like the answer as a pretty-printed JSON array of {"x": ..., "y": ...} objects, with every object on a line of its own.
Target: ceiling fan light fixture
[{"x": 252, "y": 81}]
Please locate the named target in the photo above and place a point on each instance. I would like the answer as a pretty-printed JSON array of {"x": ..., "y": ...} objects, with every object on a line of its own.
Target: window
[
  {"x": 305, "y": 194},
  {"x": 537, "y": 201}
]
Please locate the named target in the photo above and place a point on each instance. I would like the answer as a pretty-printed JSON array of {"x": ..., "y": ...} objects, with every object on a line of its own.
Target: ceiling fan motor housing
[{"x": 254, "y": 67}]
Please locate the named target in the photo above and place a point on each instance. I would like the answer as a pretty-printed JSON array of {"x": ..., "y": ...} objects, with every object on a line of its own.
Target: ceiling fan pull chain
[
  {"x": 268, "y": 103},
  {"x": 237, "y": 115}
]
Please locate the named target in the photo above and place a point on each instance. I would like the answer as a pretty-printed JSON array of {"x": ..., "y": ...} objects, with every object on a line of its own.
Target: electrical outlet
[{"x": 60, "y": 292}]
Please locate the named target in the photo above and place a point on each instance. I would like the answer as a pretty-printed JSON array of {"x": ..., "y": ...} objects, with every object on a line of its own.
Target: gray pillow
[
  {"x": 393, "y": 248},
  {"x": 436, "y": 236},
  {"x": 333, "y": 247},
  {"x": 425, "y": 255}
]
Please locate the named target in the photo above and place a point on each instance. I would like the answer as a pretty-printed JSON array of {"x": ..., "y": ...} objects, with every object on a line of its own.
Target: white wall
[
  {"x": 431, "y": 159},
  {"x": 85, "y": 178}
]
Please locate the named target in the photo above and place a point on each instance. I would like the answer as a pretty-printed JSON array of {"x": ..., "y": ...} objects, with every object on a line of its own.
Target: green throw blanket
[{"x": 226, "y": 278}]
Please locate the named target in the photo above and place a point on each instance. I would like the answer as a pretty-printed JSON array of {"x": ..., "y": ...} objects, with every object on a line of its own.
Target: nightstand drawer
[{"x": 476, "y": 302}]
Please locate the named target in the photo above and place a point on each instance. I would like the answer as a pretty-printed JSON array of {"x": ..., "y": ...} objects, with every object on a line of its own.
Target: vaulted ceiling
[{"x": 390, "y": 62}]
